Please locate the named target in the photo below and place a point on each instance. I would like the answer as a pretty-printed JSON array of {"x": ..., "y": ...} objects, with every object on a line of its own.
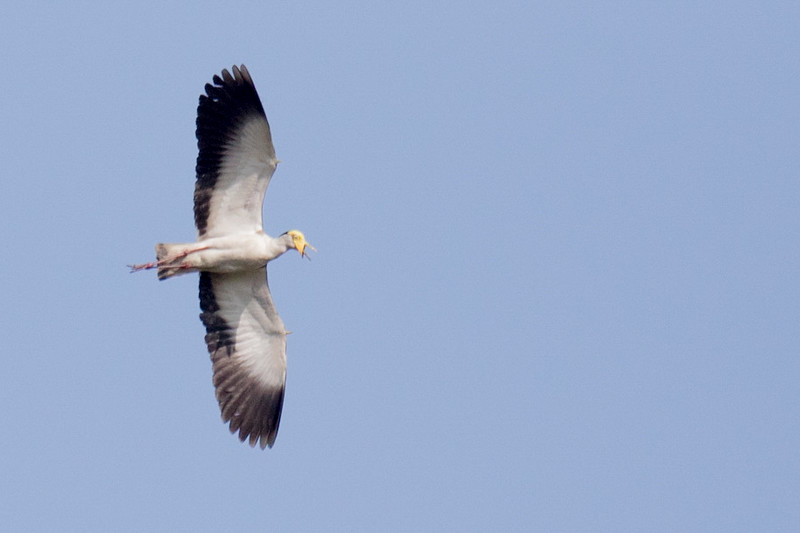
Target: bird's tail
[{"x": 170, "y": 260}]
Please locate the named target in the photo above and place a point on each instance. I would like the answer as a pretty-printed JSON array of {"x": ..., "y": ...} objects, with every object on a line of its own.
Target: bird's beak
[{"x": 302, "y": 249}]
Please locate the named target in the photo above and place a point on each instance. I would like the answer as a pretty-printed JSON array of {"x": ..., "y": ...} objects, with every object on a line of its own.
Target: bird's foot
[{"x": 143, "y": 266}]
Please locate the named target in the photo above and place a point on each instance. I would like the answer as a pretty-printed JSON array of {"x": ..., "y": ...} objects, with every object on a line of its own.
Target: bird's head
[{"x": 299, "y": 242}]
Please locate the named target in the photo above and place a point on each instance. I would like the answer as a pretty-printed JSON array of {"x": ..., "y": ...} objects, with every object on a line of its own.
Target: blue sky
[{"x": 556, "y": 286}]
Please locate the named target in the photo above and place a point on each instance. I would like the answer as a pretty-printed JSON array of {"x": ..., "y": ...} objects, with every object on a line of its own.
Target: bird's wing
[
  {"x": 236, "y": 158},
  {"x": 247, "y": 343}
]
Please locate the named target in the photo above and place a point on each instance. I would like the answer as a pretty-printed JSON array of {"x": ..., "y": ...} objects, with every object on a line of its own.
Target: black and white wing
[
  {"x": 236, "y": 158},
  {"x": 247, "y": 343}
]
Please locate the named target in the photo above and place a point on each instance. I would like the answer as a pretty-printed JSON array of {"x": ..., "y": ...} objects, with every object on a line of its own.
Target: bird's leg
[{"x": 181, "y": 255}]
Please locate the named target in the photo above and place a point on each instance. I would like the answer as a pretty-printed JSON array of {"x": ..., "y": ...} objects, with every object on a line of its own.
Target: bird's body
[
  {"x": 246, "y": 338},
  {"x": 222, "y": 255}
]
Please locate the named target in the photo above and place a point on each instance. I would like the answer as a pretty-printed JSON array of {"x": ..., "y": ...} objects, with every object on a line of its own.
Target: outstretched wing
[
  {"x": 247, "y": 343},
  {"x": 236, "y": 158}
]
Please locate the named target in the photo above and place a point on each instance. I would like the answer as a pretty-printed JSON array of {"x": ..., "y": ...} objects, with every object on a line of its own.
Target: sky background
[{"x": 556, "y": 288}]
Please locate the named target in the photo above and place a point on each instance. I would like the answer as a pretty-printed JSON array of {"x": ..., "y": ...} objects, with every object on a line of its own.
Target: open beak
[{"x": 302, "y": 249}]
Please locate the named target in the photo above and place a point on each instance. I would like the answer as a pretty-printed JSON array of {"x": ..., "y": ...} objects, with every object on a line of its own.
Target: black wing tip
[
  {"x": 240, "y": 74},
  {"x": 225, "y": 84},
  {"x": 256, "y": 420}
]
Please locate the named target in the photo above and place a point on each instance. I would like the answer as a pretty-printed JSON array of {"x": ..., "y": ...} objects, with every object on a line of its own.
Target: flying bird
[{"x": 245, "y": 336}]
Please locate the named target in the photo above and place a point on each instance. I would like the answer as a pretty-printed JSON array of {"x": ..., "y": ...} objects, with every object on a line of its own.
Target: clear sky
[{"x": 556, "y": 288}]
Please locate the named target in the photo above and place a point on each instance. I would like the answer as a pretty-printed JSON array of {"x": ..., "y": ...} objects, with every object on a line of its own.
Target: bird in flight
[{"x": 245, "y": 336}]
